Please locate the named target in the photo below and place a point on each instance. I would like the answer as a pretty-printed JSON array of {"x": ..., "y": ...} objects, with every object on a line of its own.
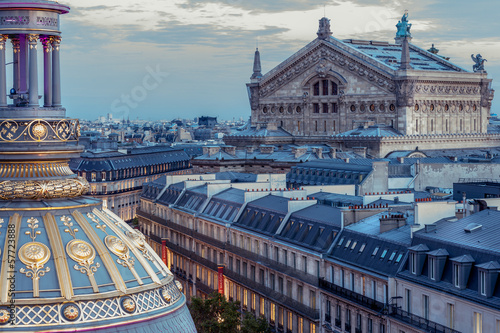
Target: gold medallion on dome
[
  {"x": 71, "y": 312},
  {"x": 80, "y": 250},
  {"x": 179, "y": 285},
  {"x": 4, "y": 316},
  {"x": 116, "y": 245},
  {"x": 34, "y": 253},
  {"x": 166, "y": 295},
  {"x": 128, "y": 304}
]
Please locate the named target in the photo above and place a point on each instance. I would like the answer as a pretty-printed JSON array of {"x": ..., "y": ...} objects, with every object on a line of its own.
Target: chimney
[{"x": 392, "y": 221}]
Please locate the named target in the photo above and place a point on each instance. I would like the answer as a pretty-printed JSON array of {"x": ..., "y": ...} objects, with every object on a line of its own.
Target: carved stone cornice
[
  {"x": 446, "y": 89},
  {"x": 486, "y": 93},
  {"x": 321, "y": 55}
]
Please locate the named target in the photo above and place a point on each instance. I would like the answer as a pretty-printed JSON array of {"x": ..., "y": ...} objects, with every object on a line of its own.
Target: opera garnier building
[{"x": 66, "y": 262}]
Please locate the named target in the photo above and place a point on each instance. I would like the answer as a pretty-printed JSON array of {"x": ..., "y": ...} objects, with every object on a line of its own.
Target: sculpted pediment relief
[{"x": 324, "y": 58}]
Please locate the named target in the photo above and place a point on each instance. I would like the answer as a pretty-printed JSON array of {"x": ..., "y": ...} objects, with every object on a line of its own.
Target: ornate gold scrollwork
[
  {"x": 34, "y": 255},
  {"x": 43, "y": 189},
  {"x": 81, "y": 252},
  {"x": 37, "y": 130},
  {"x": 118, "y": 247},
  {"x": 139, "y": 241}
]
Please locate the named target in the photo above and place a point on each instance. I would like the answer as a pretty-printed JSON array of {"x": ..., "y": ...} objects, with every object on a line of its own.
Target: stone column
[
  {"x": 33, "y": 71},
  {"x": 47, "y": 72},
  {"x": 3, "y": 75},
  {"x": 16, "y": 61},
  {"x": 56, "y": 72}
]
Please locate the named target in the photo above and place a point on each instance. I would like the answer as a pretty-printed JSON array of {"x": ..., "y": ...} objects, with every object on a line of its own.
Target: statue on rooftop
[
  {"x": 403, "y": 26},
  {"x": 478, "y": 62}
]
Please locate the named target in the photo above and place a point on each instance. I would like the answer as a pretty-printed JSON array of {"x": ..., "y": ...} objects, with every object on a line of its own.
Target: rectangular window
[
  {"x": 370, "y": 325},
  {"x": 289, "y": 323},
  {"x": 358, "y": 321},
  {"x": 316, "y": 89},
  {"x": 289, "y": 288},
  {"x": 374, "y": 290},
  {"x": 342, "y": 278},
  {"x": 325, "y": 87},
  {"x": 300, "y": 294},
  {"x": 456, "y": 275},
  {"x": 482, "y": 282},
  {"x": 382, "y": 256},
  {"x": 261, "y": 276},
  {"x": 312, "y": 299},
  {"x": 408, "y": 300},
  {"x": 332, "y": 274},
  {"x": 386, "y": 294},
  {"x": 230, "y": 263},
  {"x": 273, "y": 313},
  {"x": 304, "y": 258},
  {"x": 266, "y": 254},
  {"x": 300, "y": 324},
  {"x": 352, "y": 282},
  {"x": 280, "y": 284},
  {"x": 315, "y": 108},
  {"x": 413, "y": 263},
  {"x": 334, "y": 107},
  {"x": 272, "y": 281},
  {"x": 276, "y": 254},
  {"x": 451, "y": 315},
  {"x": 325, "y": 107},
  {"x": 262, "y": 306},
  {"x": 478, "y": 322},
  {"x": 245, "y": 269},
  {"x": 294, "y": 261},
  {"x": 425, "y": 305},
  {"x": 432, "y": 272},
  {"x": 285, "y": 257},
  {"x": 382, "y": 328},
  {"x": 375, "y": 251}
]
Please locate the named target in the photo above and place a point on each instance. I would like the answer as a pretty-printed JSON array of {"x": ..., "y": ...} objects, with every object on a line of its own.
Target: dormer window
[
  {"x": 437, "y": 261},
  {"x": 488, "y": 275},
  {"x": 461, "y": 270}
]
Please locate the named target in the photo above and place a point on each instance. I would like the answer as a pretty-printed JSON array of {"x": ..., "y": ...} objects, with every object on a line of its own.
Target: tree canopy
[{"x": 217, "y": 315}]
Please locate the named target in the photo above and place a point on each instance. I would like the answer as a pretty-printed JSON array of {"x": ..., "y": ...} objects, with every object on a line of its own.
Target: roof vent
[{"x": 471, "y": 227}]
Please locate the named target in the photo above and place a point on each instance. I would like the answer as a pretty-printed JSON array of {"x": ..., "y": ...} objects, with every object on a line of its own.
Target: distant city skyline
[{"x": 187, "y": 58}]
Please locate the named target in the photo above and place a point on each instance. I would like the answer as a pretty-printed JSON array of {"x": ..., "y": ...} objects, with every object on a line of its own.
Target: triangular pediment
[{"x": 327, "y": 56}]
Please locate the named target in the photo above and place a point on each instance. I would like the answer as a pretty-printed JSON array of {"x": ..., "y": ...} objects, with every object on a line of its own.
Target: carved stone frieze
[{"x": 442, "y": 89}]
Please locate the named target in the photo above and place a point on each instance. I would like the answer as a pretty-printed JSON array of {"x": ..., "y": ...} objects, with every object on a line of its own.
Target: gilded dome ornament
[
  {"x": 4, "y": 316},
  {"x": 179, "y": 285},
  {"x": 81, "y": 252},
  {"x": 71, "y": 312},
  {"x": 120, "y": 249},
  {"x": 39, "y": 131},
  {"x": 128, "y": 304},
  {"x": 166, "y": 295},
  {"x": 34, "y": 255}
]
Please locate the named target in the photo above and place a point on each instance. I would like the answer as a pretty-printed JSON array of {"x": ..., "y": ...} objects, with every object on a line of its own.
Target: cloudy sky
[{"x": 163, "y": 59}]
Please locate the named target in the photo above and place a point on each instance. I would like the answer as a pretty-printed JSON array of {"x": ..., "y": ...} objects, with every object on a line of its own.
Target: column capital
[
  {"x": 33, "y": 38},
  {"x": 56, "y": 42},
  {"x": 16, "y": 44},
  {"x": 47, "y": 43}
]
